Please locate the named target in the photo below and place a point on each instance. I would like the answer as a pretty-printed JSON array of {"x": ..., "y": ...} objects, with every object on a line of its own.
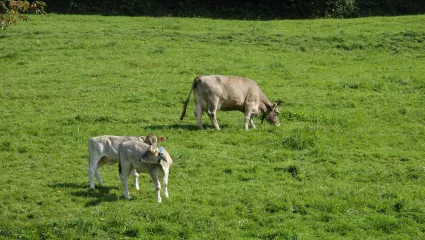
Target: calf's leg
[
  {"x": 156, "y": 183},
  {"x": 124, "y": 175},
  {"x": 136, "y": 179},
  {"x": 97, "y": 174},
  {"x": 92, "y": 170},
  {"x": 165, "y": 183},
  {"x": 91, "y": 173},
  {"x": 99, "y": 179}
]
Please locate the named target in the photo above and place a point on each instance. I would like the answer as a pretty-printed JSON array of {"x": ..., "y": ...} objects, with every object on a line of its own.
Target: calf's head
[
  {"x": 150, "y": 139},
  {"x": 153, "y": 154},
  {"x": 272, "y": 114}
]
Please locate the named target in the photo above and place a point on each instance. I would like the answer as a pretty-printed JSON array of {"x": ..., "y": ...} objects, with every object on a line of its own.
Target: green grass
[{"x": 347, "y": 161}]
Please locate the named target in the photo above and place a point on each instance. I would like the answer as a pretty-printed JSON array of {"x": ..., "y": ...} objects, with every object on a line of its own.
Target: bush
[
  {"x": 262, "y": 9},
  {"x": 12, "y": 11}
]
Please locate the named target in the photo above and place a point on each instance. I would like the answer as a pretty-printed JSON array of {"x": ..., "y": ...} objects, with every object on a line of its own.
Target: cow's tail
[{"x": 188, "y": 98}]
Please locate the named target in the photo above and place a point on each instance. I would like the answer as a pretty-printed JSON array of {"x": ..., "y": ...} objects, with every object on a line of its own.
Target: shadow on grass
[
  {"x": 98, "y": 195},
  {"x": 174, "y": 127},
  {"x": 191, "y": 127}
]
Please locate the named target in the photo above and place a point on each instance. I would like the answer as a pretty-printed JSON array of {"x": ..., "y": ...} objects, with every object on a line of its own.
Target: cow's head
[
  {"x": 153, "y": 154},
  {"x": 272, "y": 113}
]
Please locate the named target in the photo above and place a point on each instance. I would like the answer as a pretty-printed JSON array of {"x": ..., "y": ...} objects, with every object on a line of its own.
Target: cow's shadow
[
  {"x": 190, "y": 127},
  {"x": 173, "y": 127},
  {"x": 96, "y": 196}
]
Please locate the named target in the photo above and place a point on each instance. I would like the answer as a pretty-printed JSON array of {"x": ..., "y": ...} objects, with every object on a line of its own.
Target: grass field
[{"x": 347, "y": 162}]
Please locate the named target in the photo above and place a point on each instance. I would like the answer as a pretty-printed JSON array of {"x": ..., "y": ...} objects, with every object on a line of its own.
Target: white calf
[
  {"x": 104, "y": 150},
  {"x": 144, "y": 158}
]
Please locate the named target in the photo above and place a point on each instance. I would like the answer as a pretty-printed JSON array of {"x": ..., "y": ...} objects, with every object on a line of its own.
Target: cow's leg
[
  {"x": 247, "y": 118},
  {"x": 246, "y": 121},
  {"x": 124, "y": 175},
  {"x": 198, "y": 114},
  {"x": 156, "y": 183},
  {"x": 212, "y": 110},
  {"x": 136, "y": 179},
  {"x": 252, "y": 123},
  {"x": 213, "y": 118}
]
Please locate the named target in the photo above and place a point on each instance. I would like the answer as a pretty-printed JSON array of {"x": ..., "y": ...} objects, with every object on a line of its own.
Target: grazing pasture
[{"x": 347, "y": 162}]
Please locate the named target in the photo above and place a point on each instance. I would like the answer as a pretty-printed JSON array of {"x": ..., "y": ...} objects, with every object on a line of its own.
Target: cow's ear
[
  {"x": 278, "y": 102},
  {"x": 269, "y": 108},
  {"x": 162, "y": 139},
  {"x": 274, "y": 107},
  {"x": 142, "y": 138}
]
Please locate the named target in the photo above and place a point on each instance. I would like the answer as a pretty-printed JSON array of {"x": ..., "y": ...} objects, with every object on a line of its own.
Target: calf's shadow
[{"x": 98, "y": 195}]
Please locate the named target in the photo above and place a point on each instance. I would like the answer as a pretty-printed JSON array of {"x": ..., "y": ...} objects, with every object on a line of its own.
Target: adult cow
[
  {"x": 215, "y": 92},
  {"x": 104, "y": 150}
]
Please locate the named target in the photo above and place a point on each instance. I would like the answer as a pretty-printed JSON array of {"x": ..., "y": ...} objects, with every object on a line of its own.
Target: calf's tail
[
  {"x": 119, "y": 163},
  {"x": 188, "y": 98}
]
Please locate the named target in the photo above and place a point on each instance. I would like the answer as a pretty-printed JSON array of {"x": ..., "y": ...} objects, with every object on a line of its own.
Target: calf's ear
[
  {"x": 162, "y": 139},
  {"x": 142, "y": 138}
]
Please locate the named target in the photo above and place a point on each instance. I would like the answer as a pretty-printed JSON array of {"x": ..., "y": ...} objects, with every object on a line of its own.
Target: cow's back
[
  {"x": 225, "y": 85},
  {"x": 232, "y": 91}
]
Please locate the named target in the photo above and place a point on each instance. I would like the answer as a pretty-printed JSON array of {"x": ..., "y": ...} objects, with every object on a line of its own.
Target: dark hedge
[{"x": 239, "y": 9}]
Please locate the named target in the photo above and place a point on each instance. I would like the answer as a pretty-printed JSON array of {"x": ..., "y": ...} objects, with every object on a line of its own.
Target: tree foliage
[
  {"x": 12, "y": 11},
  {"x": 240, "y": 9}
]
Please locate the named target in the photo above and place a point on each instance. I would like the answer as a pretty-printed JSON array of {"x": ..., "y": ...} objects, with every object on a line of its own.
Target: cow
[
  {"x": 215, "y": 92},
  {"x": 136, "y": 155},
  {"x": 104, "y": 150}
]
